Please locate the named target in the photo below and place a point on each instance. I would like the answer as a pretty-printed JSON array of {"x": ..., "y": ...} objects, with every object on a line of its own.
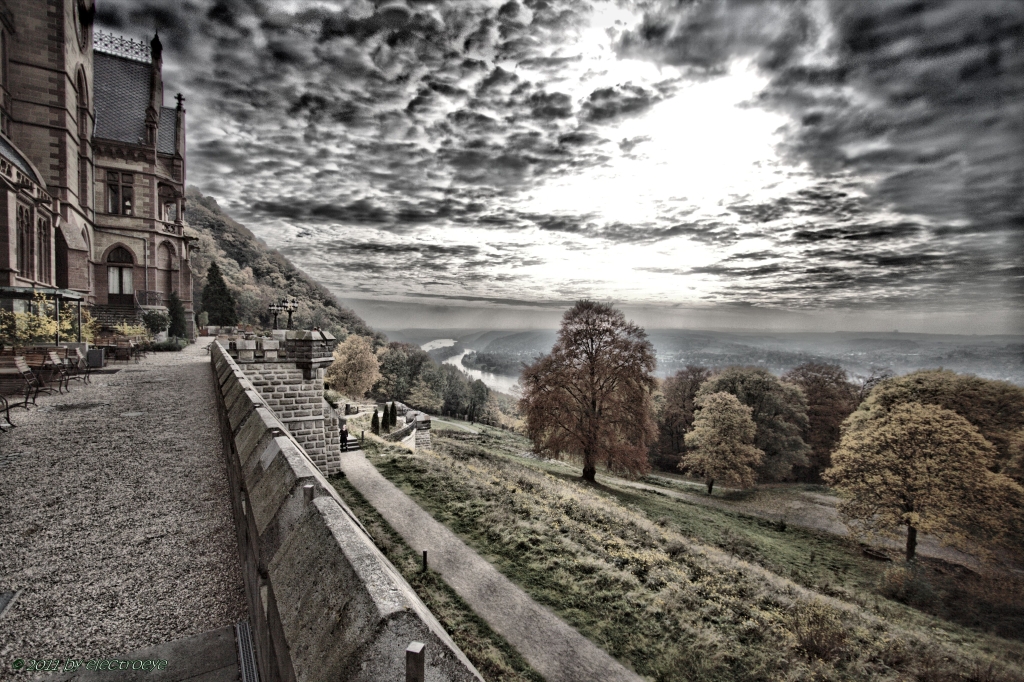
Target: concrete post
[{"x": 415, "y": 662}]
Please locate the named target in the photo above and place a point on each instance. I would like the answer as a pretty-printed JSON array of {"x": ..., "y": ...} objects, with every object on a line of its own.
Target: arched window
[
  {"x": 44, "y": 251},
  {"x": 165, "y": 273},
  {"x": 120, "y": 287},
  {"x": 26, "y": 242},
  {"x": 120, "y": 255}
]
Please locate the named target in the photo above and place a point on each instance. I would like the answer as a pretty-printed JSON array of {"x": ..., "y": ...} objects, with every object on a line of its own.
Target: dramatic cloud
[{"x": 798, "y": 154}]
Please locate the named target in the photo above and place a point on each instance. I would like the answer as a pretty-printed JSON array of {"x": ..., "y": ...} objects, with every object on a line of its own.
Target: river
[{"x": 497, "y": 382}]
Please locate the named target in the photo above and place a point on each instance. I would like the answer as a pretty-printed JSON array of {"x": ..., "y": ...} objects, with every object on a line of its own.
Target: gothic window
[
  {"x": 44, "y": 251},
  {"x": 26, "y": 243},
  {"x": 120, "y": 193},
  {"x": 84, "y": 134},
  {"x": 119, "y": 277}
]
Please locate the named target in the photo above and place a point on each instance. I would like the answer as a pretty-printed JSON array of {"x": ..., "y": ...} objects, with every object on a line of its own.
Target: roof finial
[
  {"x": 156, "y": 48},
  {"x": 181, "y": 99}
]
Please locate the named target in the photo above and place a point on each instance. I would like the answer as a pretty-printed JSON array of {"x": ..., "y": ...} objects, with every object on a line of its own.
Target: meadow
[{"x": 685, "y": 592}]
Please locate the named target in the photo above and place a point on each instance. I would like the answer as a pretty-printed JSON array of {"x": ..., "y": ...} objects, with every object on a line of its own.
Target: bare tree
[{"x": 590, "y": 399}]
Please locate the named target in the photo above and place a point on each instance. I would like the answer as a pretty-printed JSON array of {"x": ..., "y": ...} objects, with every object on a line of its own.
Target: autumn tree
[
  {"x": 830, "y": 400},
  {"x": 590, "y": 398},
  {"x": 995, "y": 408},
  {"x": 675, "y": 418},
  {"x": 779, "y": 412},
  {"x": 355, "y": 367},
  {"x": 721, "y": 445},
  {"x": 917, "y": 468},
  {"x": 400, "y": 365},
  {"x": 423, "y": 397}
]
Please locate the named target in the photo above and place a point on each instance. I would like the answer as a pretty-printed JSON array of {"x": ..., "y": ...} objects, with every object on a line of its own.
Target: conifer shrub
[
  {"x": 177, "y": 327},
  {"x": 375, "y": 423},
  {"x": 218, "y": 302}
]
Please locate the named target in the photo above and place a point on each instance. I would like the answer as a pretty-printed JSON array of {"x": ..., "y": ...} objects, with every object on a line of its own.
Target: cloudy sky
[{"x": 817, "y": 164}]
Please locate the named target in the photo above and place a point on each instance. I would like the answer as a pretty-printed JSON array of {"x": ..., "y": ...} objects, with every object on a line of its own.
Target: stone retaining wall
[{"x": 324, "y": 603}]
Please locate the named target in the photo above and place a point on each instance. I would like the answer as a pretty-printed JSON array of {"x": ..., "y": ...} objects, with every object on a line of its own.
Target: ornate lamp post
[
  {"x": 289, "y": 305},
  {"x": 275, "y": 310}
]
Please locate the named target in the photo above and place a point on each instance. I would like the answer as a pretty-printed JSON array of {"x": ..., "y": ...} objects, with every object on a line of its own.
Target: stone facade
[
  {"x": 92, "y": 165},
  {"x": 288, "y": 373}
]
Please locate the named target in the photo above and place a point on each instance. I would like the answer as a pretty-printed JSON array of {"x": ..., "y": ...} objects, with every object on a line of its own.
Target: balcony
[{"x": 150, "y": 298}]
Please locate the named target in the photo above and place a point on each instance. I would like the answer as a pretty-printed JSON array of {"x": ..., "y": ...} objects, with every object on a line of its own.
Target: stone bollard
[{"x": 415, "y": 662}]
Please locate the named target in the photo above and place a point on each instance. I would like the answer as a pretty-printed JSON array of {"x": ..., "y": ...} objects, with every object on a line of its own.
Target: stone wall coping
[{"x": 324, "y": 601}]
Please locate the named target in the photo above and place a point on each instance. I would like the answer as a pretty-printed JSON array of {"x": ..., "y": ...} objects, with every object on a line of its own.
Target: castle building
[{"x": 92, "y": 166}]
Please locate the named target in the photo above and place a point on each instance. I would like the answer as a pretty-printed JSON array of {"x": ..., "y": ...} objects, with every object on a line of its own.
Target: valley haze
[{"x": 861, "y": 354}]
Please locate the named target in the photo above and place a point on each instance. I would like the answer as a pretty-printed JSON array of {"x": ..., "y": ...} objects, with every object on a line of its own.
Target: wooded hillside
[{"x": 258, "y": 275}]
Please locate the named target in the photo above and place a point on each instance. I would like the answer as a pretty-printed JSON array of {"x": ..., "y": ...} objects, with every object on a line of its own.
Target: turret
[{"x": 156, "y": 89}]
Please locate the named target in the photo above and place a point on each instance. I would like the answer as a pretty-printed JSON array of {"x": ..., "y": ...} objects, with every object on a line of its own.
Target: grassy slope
[
  {"x": 258, "y": 275},
  {"x": 496, "y": 660},
  {"x": 662, "y": 584}
]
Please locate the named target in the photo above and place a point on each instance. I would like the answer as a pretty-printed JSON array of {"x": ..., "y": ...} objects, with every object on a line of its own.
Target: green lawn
[
  {"x": 489, "y": 652},
  {"x": 681, "y": 591}
]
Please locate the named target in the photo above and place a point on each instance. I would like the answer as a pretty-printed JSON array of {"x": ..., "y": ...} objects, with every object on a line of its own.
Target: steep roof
[
  {"x": 122, "y": 96},
  {"x": 165, "y": 137}
]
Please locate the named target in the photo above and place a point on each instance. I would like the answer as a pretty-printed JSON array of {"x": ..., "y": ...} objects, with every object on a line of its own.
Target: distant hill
[
  {"x": 860, "y": 353},
  {"x": 258, "y": 275}
]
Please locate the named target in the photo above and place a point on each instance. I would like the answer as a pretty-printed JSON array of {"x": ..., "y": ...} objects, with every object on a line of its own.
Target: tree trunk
[
  {"x": 911, "y": 542},
  {"x": 711, "y": 484},
  {"x": 588, "y": 472}
]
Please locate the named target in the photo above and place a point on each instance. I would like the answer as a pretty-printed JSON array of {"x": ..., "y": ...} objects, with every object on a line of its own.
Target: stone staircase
[{"x": 110, "y": 316}]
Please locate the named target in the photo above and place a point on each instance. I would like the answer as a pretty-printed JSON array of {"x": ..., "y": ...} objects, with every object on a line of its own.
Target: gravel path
[
  {"x": 553, "y": 648},
  {"x": 804, "y": 510},
  {"x": 116, "y": 524}
]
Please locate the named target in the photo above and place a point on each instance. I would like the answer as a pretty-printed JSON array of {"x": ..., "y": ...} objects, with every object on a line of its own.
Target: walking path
[
  {"x": 803, "y": 509},
  {"x": 117, "y": 525},
  {"x": 549, "y": 645}
]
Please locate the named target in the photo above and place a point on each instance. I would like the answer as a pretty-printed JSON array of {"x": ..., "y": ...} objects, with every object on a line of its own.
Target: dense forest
[{"x": 257, "y": 275}]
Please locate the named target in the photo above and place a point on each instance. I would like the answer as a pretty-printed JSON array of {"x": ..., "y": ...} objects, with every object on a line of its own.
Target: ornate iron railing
[
  {"x": 143, "y": 297},
  {"x": 120, "y": 46}
]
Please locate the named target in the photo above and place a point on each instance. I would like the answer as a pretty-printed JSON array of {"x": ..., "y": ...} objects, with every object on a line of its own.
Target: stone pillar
[
  {"x": 422, "y": 431},
  {"x": 288, "y": 373}
]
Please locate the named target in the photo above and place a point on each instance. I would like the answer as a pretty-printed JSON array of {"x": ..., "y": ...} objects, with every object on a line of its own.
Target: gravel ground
[{"x": 114, "y": 515}]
